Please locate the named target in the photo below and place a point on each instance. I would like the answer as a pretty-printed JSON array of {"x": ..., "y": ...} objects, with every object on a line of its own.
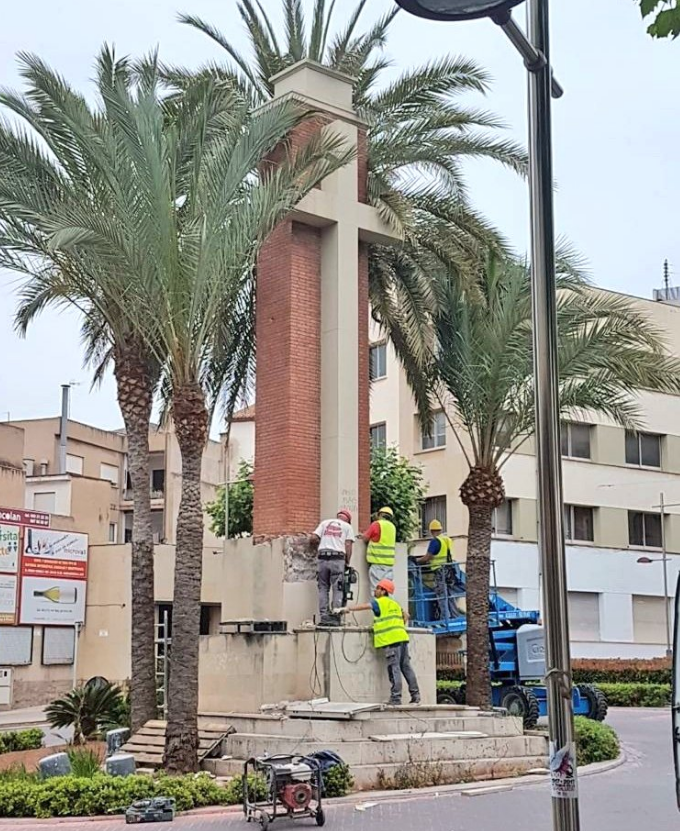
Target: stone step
[
  {"x": 398, "y": 723},
  {"x": 392, "y": 749},
  {"x": 373, "y": 776}
]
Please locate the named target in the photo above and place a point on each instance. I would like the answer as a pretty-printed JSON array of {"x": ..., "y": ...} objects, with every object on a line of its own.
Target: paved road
[{"x": 637, "y": 796}]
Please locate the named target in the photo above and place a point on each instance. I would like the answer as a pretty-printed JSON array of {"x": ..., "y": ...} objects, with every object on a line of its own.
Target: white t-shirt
[{"x": 333, "y": 534}]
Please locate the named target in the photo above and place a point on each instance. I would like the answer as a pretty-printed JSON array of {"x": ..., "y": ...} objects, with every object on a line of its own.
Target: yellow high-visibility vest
[
  {"x": 444, "y": 555},
  {"x": 382, "y": 553},
  {"x": 389, "y": 628}
]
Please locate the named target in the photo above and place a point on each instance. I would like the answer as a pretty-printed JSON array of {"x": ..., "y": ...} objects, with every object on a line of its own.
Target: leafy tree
[
  {"x": 396, "y": 483},
  {"x": 666, "y": 17},
  {"x": 59, "y": 222},
  {"x": 481, "y": 372},
  {"x": 240, "y": 505},
  {"x": 88, "y": 710}
]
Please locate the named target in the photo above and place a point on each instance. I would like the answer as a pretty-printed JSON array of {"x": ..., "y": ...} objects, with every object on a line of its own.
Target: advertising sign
[
  {"x": 8, "y": 599},
  {"x": 53, "y": 577},
  {"x": 10, "y": 536},
  {"x": 34, "y": 519}
]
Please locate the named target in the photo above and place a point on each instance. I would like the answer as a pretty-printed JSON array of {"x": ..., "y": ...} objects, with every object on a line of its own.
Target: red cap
[{"x": 345, "y": 514}]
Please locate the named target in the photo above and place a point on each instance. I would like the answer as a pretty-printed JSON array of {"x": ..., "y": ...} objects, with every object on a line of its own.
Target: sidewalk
[{"x": 31, "y": 717}]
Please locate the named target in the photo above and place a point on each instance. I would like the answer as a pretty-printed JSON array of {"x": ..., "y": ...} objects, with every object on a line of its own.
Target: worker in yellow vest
[
  {"x": 391, "y": 638},
  {"x": 439, "y": 559},
  {"x": 381, "y": 540}
]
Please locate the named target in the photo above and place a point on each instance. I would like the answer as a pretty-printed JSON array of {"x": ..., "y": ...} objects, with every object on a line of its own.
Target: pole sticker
[{"x": 563, "y": 783}]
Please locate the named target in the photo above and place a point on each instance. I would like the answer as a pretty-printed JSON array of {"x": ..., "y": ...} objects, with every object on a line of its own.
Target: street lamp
[{"x": 535, "y": 50}]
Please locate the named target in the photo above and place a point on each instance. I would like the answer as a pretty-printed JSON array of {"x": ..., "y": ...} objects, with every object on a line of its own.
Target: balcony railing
[{"x": 156, "y": 493}]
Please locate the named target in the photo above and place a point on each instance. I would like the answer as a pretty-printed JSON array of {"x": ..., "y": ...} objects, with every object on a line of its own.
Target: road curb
[{"x": 491, "y": 786}]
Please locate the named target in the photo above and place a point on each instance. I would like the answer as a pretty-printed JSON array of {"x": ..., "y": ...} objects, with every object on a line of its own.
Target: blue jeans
[{"x": 398, "y": 664}]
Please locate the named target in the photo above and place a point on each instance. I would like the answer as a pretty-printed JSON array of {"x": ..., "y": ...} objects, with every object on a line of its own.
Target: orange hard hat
[
  {"x": 386, "y": 584},
  {"x": 344, "y": 513}
]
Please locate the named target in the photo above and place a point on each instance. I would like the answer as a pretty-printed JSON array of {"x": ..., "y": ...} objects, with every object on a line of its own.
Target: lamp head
[{"x": 451, "y": 10}]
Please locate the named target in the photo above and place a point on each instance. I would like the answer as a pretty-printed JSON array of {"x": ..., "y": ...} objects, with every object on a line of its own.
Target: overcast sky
[{"x": 617, "y": 133}]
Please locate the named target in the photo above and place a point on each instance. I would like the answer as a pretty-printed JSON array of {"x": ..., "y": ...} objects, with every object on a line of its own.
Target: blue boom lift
[{"x": 516, "y": 646}]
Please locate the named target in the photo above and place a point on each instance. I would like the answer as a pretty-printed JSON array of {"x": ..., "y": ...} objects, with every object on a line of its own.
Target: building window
[
  {"x": 158, "y": 526},
  {"x": 110, "y": 473},
  {"x": 434, "y": 507},
  {"x": 649, "y": 619},
  {"x": 127, "y": 526},
  {"x": 435, "y": 435},
  {"x": 29, "y": 466},
  {"x": 501, "y": 520},
  {"x": 74, "y": 464},
  {"x": 644, "y": 529},
  {"x": 643, "y": 449},
  {"x": 210, "y": 619},
  {"x": 158, "y": 480},
  {"x": 113, "y": 532},
  {"x": 575, "y": 440},
  {"x": 378, "y": 361},
  {"x": 378, "y": 436},
  {"x": 584, "y": 616},
  {"x": 45, "y": 502},
  {"x": 578, "y": 523}
]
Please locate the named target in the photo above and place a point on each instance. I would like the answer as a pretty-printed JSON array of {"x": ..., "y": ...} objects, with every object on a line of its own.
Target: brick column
[{"x": 288, "y": 390}]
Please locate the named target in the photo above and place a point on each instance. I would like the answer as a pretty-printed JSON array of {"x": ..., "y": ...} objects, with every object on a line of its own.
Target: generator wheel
[
  {"x": 320, "y": 818},
  {"x": 446, "y": 697},
  {"x": 597, "y": 701},
  {"x": 521, "y": 701},
  {"x": 264, "y": 820}
]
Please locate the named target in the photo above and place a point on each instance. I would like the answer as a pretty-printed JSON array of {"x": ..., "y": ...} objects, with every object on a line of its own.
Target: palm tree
[
  {"x": 200, "y": 215},
  {"x": 482, "y": 373},
  {"x": 418, "y": 136},
  {"x": 57, "y": 171}
]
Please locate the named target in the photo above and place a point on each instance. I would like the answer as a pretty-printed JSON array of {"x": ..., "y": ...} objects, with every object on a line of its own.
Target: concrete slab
[{"x": 328, "y": 709}]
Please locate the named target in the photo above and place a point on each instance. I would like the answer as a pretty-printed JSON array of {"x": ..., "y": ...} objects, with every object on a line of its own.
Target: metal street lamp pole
[
  {"x": 549, "y": 459},
  {"x": 536, "y": 54}
]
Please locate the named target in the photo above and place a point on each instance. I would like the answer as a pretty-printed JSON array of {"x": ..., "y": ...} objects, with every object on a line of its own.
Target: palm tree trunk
[
  {"x": 135, "y": 396},
  {"x": 478, "y": 574},
  {"x": 181, "y": 743}
]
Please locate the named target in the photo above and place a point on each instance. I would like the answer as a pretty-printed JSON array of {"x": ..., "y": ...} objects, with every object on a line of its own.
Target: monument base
[{"x": 243, "y": 672}]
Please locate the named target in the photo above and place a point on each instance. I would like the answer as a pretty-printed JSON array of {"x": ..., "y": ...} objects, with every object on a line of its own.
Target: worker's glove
[{"x": 343, "y": 610}]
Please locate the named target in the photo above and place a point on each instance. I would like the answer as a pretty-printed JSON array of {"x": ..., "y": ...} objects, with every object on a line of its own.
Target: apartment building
[
  {"x": 614, "y": 482},
  {"x": 94, "y": 492}
]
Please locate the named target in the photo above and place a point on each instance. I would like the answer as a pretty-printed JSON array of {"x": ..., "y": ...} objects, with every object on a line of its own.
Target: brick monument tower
[{"x": 312, "y": 397}]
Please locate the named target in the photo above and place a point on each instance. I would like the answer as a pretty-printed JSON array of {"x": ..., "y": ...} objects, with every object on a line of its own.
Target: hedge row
[
  {"x": 616, "y": 671},
  {"x": 21, "y": 740},
  {"x": 602, "y": 671},
  {"x": 637, "y": 695},
  {"x": 70, "y": 796}
]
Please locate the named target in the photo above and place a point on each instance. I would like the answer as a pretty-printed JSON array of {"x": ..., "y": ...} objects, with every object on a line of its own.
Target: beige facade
[
  {"x": 93, "y": 494},
  {"x": 612, "y": 490},
  {"x": 12, "y": 478}
]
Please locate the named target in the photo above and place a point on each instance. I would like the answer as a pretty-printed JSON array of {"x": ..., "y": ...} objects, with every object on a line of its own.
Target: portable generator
[{"x": 294, "y": 785}]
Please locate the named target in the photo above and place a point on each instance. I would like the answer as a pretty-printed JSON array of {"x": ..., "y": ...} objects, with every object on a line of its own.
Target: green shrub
[
  {"x": 101, "y": 794},
  {"x": 90, "y": 709},
  {"x": 84, "y": 763},
  {"x": 595, "y": 742},
  {"x": 447, "y": 686},
  {"x": 637, "y": 695},
  {"x": 338, "y": 781},
  {"x": 257, "y": 787},
  {"x": 614, "y": 670},
  {"x": 17, "y": 773},
  {"x": 22, "y": 740}
]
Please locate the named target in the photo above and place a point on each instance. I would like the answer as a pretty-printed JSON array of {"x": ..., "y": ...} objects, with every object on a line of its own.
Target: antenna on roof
[{"x": 666, "y": 277}]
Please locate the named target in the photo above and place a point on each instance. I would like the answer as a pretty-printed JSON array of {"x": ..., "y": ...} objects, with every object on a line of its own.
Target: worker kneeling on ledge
[{"x": 390, "y": 636}]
